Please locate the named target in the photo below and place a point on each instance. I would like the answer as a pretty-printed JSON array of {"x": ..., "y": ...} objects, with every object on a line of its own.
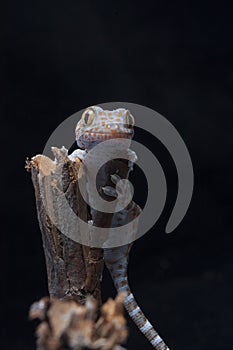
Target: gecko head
[{"x": 97, "y": 125}]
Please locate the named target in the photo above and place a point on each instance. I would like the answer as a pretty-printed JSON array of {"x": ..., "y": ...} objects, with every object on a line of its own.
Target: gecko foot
[
  {"x": 78, "y": 153},
  {"x": 132, "y": 157}
]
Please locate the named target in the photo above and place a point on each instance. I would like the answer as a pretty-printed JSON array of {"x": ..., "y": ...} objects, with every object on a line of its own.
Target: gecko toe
[
  {"x": 115, "y": 178},
  {"x": 109, "y": 191}
]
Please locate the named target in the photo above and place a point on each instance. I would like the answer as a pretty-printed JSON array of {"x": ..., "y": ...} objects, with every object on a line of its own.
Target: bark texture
[{"x": 70, "y": 265}]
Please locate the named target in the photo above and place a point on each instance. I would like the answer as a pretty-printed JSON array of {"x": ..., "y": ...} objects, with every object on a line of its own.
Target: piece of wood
[{"x": 67, "y": 261}]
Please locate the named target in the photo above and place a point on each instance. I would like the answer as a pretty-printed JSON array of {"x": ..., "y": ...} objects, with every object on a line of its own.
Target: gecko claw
[{"x": 78, "y": 153}]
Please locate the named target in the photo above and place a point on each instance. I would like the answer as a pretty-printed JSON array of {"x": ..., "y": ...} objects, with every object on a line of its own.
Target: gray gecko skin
[{"x": 95, "y": 126}]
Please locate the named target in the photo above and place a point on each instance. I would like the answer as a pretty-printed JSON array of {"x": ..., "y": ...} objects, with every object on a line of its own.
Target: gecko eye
[
  {"x": 88, "y": 116},
  {"x": 129, "y": 120}
]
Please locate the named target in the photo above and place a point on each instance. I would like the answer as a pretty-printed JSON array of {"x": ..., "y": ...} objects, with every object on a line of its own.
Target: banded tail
[{"x": 116, "y": 260}]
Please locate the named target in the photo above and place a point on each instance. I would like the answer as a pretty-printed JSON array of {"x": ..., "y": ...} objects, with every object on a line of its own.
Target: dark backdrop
[{"x": 174, "y": 57}]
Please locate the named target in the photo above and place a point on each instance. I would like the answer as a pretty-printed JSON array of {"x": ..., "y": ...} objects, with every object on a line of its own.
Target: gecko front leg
[{"x": 78, "y": 153}]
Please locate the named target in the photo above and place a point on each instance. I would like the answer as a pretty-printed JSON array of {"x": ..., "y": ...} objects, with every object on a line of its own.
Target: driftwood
[{"x": 73, "y": 318}]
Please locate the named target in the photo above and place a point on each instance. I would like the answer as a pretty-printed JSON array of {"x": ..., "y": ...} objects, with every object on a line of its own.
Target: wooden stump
[{"x": 68, "y": 262}]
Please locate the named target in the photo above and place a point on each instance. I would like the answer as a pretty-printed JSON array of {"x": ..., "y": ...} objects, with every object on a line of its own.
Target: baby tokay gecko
[{"x": 95, "y": 126}]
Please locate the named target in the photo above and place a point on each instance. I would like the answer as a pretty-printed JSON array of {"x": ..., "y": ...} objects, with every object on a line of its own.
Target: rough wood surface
[{"x": 70, "y": 265}]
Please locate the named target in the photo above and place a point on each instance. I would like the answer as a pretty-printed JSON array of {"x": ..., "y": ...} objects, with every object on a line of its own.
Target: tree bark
[{"x": 70, "y": 265}]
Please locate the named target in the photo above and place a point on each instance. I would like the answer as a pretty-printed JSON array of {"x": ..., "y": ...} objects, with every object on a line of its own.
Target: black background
[{"x": 174, "y": 57}]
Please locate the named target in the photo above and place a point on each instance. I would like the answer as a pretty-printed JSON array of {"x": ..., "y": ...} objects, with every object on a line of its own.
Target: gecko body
[{"x": 95, "y": 126}]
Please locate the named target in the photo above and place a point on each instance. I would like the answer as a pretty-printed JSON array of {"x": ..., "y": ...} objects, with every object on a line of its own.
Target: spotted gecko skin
[{"x": 95, "y": 126}]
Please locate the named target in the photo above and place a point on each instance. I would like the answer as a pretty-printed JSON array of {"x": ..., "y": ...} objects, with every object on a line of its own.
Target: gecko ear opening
[{"x": 88, "y": 116}]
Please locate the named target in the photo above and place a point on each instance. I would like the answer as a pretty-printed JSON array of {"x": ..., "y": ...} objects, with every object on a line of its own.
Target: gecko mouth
[{"x": 108, "y": 135}]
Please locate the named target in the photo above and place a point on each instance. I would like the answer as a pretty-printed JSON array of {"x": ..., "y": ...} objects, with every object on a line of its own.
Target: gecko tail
[
  {"x": 117, "y": 266},
  {"x": 141, "y": 321}
]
